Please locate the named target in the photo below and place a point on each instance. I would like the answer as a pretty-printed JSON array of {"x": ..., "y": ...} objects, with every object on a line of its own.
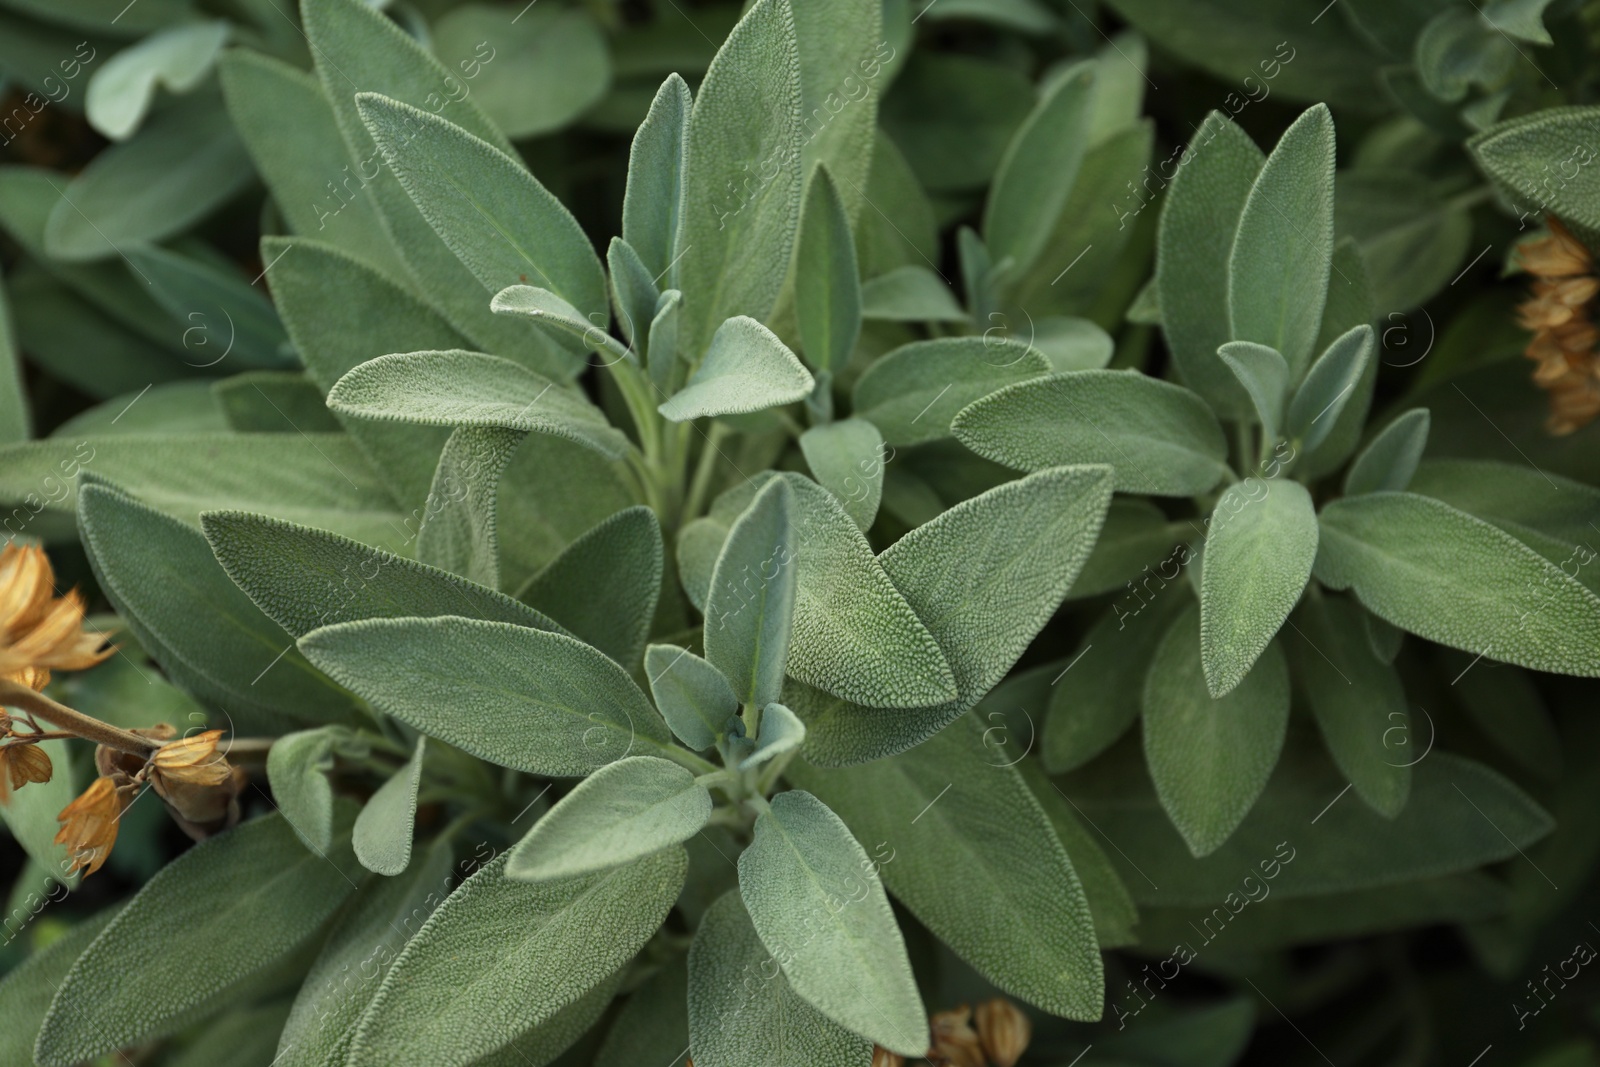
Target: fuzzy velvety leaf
[
  {"x": 1210, "y": 758},
  {"x": 842, "y": 73},
  {"x": 912, "y": 393},
  {"x": 739, "y": 1014},
  {"x": 693, "y": 696},
  {"x": 1136, "y": 537},
  {"x": 225, "y": 316},
  {"x": 459, "y": 529},
  {"x": 297, "y": 769},
  {"x": 1412, "y": 237},
  {"x": 178, "y": 57},
  {"x": 653, "y": 203},
  {"x": 623, "y": 812},
  {"x": 253, "y": 889},
  {"x": 633, "y": 292},
  {"x": 1158, "y": 437},
  {"x": 781, "y": 732},
  {"x": 1524, "y": 152},
  {"x": 1016, "y": 912},
  {"x": 535, "y": 701},
  {"x": 746, "y": 369},
  {"x": 750, "y": 612},
  {"x": 498, "y": 959},
  {"x": 1330, "y": 384},
  {"x": 653, "y": 1019},
  {"x": 846, "y": 458},
  {"x": 1551, "y": 514},
  {"x": 552, "y": 493},
  {"x": 273, "y": 401},
  {"x": 1389, "y": 461},
  {"x": 1265, "y": 376},
  {"x": 382, "y": 834},
  {"x": 1447, "y": 576},
  {"x": 1350, "y": 304},
  {"x": 551, "y": 310},
  {"x": 27, "y": 990},
  {"x": 910, "y": 293},
  {"x": 827, "y": 280},
  {"x": 818, "y": 907}
]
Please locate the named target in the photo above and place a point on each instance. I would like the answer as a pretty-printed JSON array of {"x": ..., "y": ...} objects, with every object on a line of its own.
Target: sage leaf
[
  {"x": 1519, "y": 152},
  {"x": 738, "y": 1014},
  {"x": 653, "y": 204},
  {"x": 692, "y": 695},
  {"x": 1258, "y": 555},
  {"x": 1549, "y": 513},
  {"x": 459, "y": 528},
  {"x": 534, "y": 701},
  {"x": 178, "y": 57},
  {"x": 297, "y": 768},
  {"x": 27, "y": 990},
  {"x": 382, "y": 834},
  {"x": 1350, "y": 304},
  {"x": 1442, "y": 574},
  {"x": 1389, "y": 461},
  {"x": 621, "y": 813},
  {"x": 827, "y": 280},
  {"x": 750, "y": 609},
  {"x": 746, "y": 369},
  {"x": 909, "y": 293},
  {"x": 549, "y": 309},
  {"x": 1329, "y": 385},
  {"x": 817, "y": 905},
  {"x": 1159, "y": 438},
  {"x": 1211, "y": 757},
  {"x": 781, "y": 732},
  {"x": 912, "y": 393},
  {"x": 654, "y": 1017},
  {"x": 633, "y": 292},
  {"x": 1265, "y": 376},
  {"x": 847, "y": 458}
]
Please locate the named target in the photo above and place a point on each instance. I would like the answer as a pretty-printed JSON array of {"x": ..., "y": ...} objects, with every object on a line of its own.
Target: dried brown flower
[
  {"x": 955, "y": 1042},
  {"x": 21, "y": 764},
  {"x": 882, "y": 1057},
  {"x": 1004, "y": 1031},
  {"x": 38, "y": 630},
  {"x": 89, "y": 823},
  {"x": 1558, "y": 313}
]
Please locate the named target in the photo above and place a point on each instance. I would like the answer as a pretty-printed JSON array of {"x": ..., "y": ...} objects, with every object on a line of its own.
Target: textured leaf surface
[
  {"x": 1210, "y": 758},
  {"x": 910, "y": 293},
  {"x": 27, "y": 990},
  {"x": 1524, "y": 152},
  {"x": 603, "y": 587},
  {"x": 653, "y": 203},
  {"x": 1016, "y": 912},
  {"x": 297, "y": 769},
  {"x": 459, "y": 531},
  {"x": 1258, "y": 556},
  {"x": 1444, "y": 575},
  {"x": 750, "y": 608},
  {"x": 692, "y": 695},
  {"x": 1332, "y": 383},
  {"x": 818, "y": 907},
  {"x": 846, "y": 458},
  {"x": 827, "y": 280},
  {"x": 1038, "y": 170},
  {"x": 1391, "y": 459},
  {"x": 382, "y": 834},
  {"x": 535, "y": 701},
  {"x": 746, "y": 369},
  {"x": 621, "y": 813},
  {"x": 1158, "y": 437},
  {"x": 781, "y": 732},
  {"x": 912, "y": 393},
  {"x": 551, "y": 310},
  {"x": 1265, "y": 376},
  {"x": 653, "y": 1020},
  {"x": 740, "y": 1014},
  {"x": 498, "y": 959}
]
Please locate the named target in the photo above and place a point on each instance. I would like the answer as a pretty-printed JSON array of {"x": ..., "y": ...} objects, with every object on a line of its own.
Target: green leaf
[
  {"x": 471, "y": 389},
  {"x": 178, "y": 57},
  {"x": 498, "y": 959},
  {"x": 603, "y": 587},
  {"x": 273, "y": 401},
  {"x": 827, "y": 280},
  {"x": 1358, "y": 702},
  {"x": 665, "y": 363},
  {"x": 223, "y": 315},
  {"x": 30, "y": 815},
  {"x": 1412, "y": 236},
  {"x": 382, "y": 835},
  {"x": 910, "y": 293},
  {"x": 304, "y": 578},
  {"x": 1210, "y": 758},
  {"x": 534, "y": 701},
  {"x": 297, "y": 769},
  {"x": 1350, "y": 304},
  {"x": 1258, "y": 557},
  {"x": 1193, "y": 247},
  {"x": 633, "y": 293},
  {"x": 984, "y": 576},
  {"x": 781, "y": 732},
  {"x": 750, "y": 612},
  {"x": 1519, "y": 18},
  {"x": 552, "y": 493},
  {"x": 1504, "y": 702},
  {"x": 1523, "y": 153},
  {"x": 184, "y": 164},
  {"x": 841, "y": 50},
  {"x": 1549, "y": 513},
  {"x": 1390, "y": 460},
  {"x": 253, "y": 889},
  {"x": 1329, "y": 386},
  {"x": 27, "y": 990},
  {"x": 162, "y": 578},
  {"x": 1265, "y": 376},
  {"x": 1038, "y": 170},
  {"x": 1098, "y": 694},
  {"x": 744, "y": 129},
  {"x": 1016, "y": 911},
  {"x": 1072, "y": 343},
  {"x": 1278, "y": 269},
  {"x": 485, "y": 206},
  {"x": 736, "y": 1020},
  {"x": 548, "y": 309},
  {"x": 846, "y": 458},
  {"x": 1159, "y": 438},
  {"x": 653, "y": 1018},
  {"x": 693, "y": 696},
  {"x": 1444, "y": 575},
  {"x": 654, "y": 202},
  {"x": 1135, "y": 536},
  {"x": 746, "y": 369},
  {"x": 459, "y": 528},
  {"x": 898, "y": 227},
  {"x": 913, "y": 393},
  {"x": 818, "y": 907},
  {"x": 1456, "y": 51},
  {"x": 953, "y": 116},
  {"x": 623, "y": 812}
]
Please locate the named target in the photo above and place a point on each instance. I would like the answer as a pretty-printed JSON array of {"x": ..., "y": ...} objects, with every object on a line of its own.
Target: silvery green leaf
[
  {"x": 1549, "y": 513},
  {"x": 304, "y": 578},
  {"x": 382, "y": 834},
  {"x": 1389, "y": 461},
  {"x": 842, "y": 76},
  {"x": 27, "y": 990},
  {"x": 273, "y": 401},
  {"x": 255, "y": 889},
  {"x": 898, "y": 228},
  {"x": 121, "y": 90},
  {"x": 1193, "y": 246},
  {"x": 741, "y": 177},
  {"x": 912, "y": 393},
  {"x": 1265, "y": 376},
  {"x": 471, "y": 389},
  {"x": 1259, "y": 550},
  {"x": 665, "y": 361},
  {"x": 458, "y": 531},
  {"x": 1456, "y": 51},
  {"x": 981, "y": 867},
  {"x": 633, "y": 292},
  {"x": 1442, "y": 574},
  {"x": 623, "y": 812},
  {"x": 1072, "y": 343},
  {"x": 746, "y": 369},
  {"x": 534, "y": 701},
  {"x": 297, "y": 769},
  {"x": 1135, "y": 538},
  {"x": 909, "y": 293},
  {"x": 1211, "y": 757},
  {"x": 984, "y": 576},
  {"x": 1158, "y": 437},
  {"x": 652, "y": 207},
  {"x": 1524, "y": 152},
  {"x": 692, "y": 695},
  {"x": 737, "y": 1018},
  {"x": 654, "y": 1017},
  {"x": 847, "y": 458},
  {"x": 817, "y": 905},
  {"x": 552, "y": 493},
  {"x": 781, "y": 732},
  {"x": 603, "y": 587},
  {"x": 1412, "y": 237},
  {"x": 1328, "y": 386},
  {"x": 498, "y": 960},
  {"x": 827, "y": 279},
  {"x": 750, "y": 609},
  {"x": 548, "y": 309},
  {"x": 1038, "y": 170},
  {"x": 1350, "y": 304},
  {"x": 1358, "y": 702}
]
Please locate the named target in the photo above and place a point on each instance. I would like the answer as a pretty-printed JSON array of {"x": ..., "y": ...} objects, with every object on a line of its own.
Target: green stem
[
  {"x": 16, "y": 695},
  {"x": 704, "y": 470},
  {"x": 684, "y": 758}
]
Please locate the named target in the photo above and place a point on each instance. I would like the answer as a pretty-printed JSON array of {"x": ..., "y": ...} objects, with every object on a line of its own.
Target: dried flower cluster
[
  {"x": 1563, "y": 345},
  {"x": 38, "y": 630}
]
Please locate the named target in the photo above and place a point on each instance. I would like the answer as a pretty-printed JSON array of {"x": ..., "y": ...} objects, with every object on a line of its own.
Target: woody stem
[{"x": 16, "y": 695}]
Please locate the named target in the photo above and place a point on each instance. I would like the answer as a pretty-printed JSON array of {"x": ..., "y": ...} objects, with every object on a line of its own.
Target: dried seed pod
[
  {"x": 955, "y": 1042},
  {"x": 1004, "y": 1031},
  {"x": 89, "y": 823},
  {"x": 882, "y": 1057}
]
